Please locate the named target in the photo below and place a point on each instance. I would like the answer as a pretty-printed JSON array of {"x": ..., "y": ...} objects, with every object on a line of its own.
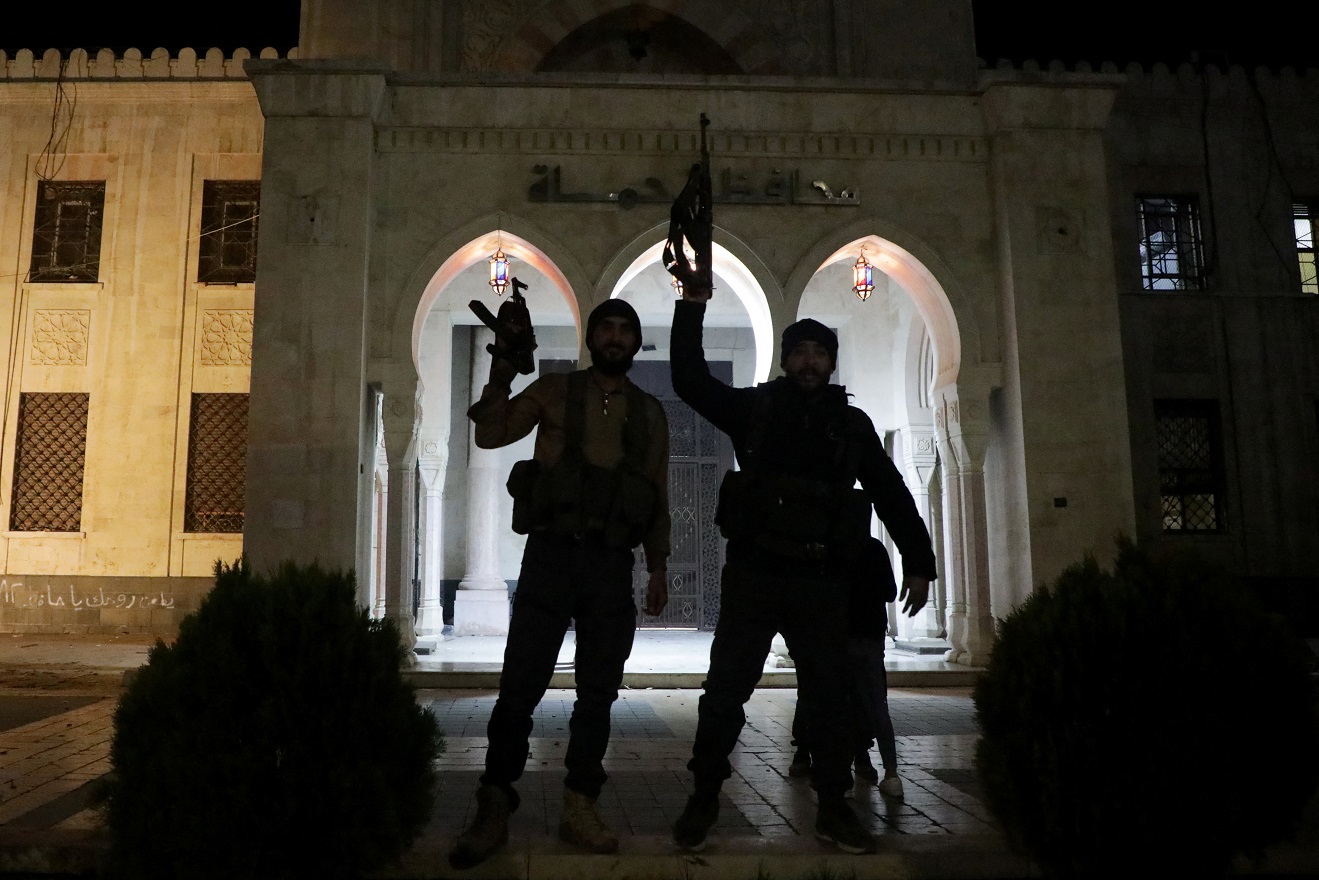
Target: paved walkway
[{"x": 57, "y": 700}]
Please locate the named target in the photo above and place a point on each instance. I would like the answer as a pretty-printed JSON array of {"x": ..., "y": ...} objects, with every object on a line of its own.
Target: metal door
[{"x": 698, "y": 457}]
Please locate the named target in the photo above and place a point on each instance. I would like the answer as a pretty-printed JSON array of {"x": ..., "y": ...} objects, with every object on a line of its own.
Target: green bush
[
  {"x": 1150, "y": 716},
  {"x": 275, "y": 738}
]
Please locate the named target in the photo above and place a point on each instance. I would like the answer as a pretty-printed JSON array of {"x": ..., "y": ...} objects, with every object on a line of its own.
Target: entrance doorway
[{"x": 699, "y": 455}]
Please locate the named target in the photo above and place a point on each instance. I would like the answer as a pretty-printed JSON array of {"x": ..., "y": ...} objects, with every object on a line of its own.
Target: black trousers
[
  {"x": 563, "y": 580},
  {"x": 810, "y": 613}
]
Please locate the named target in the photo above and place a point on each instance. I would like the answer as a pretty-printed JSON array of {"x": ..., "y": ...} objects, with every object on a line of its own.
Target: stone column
[
  {"x": 307, "y": 451},
  {"x": 919, "y": 458},
  {"x": 966, "y": 568},
  {"x": 481, "y": 605},
  {"x": 401, "y": 414},
  {"x": 430, "y": 613}
]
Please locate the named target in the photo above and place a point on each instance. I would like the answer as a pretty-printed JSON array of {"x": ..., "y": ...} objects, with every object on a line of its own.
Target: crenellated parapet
[
  {"x": 26, "y": 66},
  {"x": 1189, "y": 80}
]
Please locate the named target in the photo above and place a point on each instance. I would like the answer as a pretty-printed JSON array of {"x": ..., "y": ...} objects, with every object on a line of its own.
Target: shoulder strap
[
  {"x": 762, "y": 401},
  {"x": 636, "y": 429},
  {"x": 851, "y": 448},
  {"x": 574, "y": 416}
]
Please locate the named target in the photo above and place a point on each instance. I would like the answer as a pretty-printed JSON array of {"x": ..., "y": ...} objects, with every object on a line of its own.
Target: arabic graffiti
[
  {"x": 17, "y": 596},
  {"x": 781, "y": 188}
]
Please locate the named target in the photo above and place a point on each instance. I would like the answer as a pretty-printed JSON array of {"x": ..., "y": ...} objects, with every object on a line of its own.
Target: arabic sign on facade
[{"x": 778, "y": 187}]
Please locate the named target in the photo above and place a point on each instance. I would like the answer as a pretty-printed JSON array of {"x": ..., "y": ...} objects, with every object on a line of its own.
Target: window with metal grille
[
  {"x": 49, "y": 455},
  {"x": 1171, "y": 249},
  {"x": 66, "y": 233},
  {"x": 227, "y": 251},
  {"x": 217, "y": 463},
  {"x": 1305, "y": 217},
  {"x": 1190, "y": 465}
]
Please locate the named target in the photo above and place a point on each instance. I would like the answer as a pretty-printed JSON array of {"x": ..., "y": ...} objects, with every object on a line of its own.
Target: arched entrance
[
  {"x": 466, "y": 555},
  {"x": 901, "y": 355},
  {"x": 739, "y": 349}
]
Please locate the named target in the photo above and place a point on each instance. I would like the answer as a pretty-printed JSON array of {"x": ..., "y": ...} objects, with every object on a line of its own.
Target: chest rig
[{"x": 575, "y": 499}]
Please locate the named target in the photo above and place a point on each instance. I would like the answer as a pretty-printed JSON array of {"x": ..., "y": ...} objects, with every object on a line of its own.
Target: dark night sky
[{"x": 1281, "y": 32}]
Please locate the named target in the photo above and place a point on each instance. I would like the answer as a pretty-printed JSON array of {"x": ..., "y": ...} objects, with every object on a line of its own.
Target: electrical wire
[{"x": 130, "y": 256}]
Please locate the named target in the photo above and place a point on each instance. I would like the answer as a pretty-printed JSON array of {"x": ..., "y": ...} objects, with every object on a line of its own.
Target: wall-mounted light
[{"x": 863, "y": 276}]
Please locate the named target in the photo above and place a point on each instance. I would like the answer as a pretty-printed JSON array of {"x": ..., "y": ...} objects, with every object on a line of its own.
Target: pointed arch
[
  {"x": 734, "y": 261},
  {"x": 473, "y": 243},
  {"x": 940, "y": 300}
]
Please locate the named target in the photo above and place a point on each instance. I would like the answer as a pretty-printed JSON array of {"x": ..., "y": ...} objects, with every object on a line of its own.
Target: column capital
[{"x": 961, "y": 427}]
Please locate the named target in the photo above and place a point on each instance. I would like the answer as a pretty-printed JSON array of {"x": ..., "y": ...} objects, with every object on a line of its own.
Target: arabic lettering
[
  {"x": 781, "y": 187},
  {"x": 16, "y": 595}
]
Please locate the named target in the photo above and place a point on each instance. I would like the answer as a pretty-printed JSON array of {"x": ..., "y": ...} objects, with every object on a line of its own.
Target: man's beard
[{"x": 610, "y": 367}]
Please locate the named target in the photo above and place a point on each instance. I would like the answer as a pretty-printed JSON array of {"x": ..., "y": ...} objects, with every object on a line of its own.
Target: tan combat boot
[
  {"x": 581, "y": 825},
  {"x": 488, "y": 831}
]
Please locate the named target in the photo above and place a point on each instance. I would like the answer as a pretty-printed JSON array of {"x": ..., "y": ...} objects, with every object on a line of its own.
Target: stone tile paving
[
  {"x": 651, "y": 743},
  {"x": 47, "y": 766}
]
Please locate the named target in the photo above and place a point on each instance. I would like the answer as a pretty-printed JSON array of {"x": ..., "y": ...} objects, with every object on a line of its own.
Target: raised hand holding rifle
[
  {"x": 515, "y": 338},
  {"x": 692, "y": 219}
]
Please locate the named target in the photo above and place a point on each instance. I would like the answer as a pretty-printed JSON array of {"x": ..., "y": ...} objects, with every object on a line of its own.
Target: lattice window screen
[
  {"x": 49, "y": 457},
  {"x": 1188, "y": 451},
  {"x": 217, "y": 463}
]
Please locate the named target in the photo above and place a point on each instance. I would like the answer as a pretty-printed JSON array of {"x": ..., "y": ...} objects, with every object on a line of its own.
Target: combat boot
[
  {"x": 488, "y": 831},
  {"x": 692, "y": 827},
  {"x": 581, "y": 825},
  {"x": 863, "y": 768},
  {"x": 836, "y": 824}
]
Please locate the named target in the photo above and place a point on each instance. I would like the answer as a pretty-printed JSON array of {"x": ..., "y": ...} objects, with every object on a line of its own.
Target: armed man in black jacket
[{"x": 796, "y": 528}]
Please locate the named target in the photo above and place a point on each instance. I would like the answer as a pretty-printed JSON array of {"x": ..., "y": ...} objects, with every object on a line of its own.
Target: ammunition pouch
[
  {"x": 572, "y": 498},
  {"x": 792, "y": 516}
]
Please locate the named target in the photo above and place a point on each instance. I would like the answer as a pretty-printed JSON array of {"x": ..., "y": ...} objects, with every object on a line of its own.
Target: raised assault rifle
[{"x": 692, "y": 219}]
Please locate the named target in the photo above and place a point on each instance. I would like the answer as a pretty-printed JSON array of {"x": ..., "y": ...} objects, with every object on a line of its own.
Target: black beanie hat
[
  {"x": 614, "y": 308},
  {"x": 808, "y": 330}
]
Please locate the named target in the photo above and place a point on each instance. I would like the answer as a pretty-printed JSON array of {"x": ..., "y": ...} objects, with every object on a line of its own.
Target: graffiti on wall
[{"x": 15, "y": 595}]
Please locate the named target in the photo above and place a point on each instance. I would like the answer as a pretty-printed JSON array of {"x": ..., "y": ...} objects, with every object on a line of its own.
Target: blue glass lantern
[
  {"x": 863, "y": 277},
  {"x": 499, "y": 272}
]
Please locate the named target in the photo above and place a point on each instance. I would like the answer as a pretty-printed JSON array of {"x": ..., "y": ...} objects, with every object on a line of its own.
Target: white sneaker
[{"x": 891, "y": 787}]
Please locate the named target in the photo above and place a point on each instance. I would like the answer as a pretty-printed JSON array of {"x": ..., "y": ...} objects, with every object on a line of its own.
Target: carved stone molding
[
  {"x": 528, "y": 141},
  {"x": 59, "y": 337},
  {"x": 1059, "y": 230},
  {"x": 226, "y": 338},
  {"x": 486, "y": 24}
]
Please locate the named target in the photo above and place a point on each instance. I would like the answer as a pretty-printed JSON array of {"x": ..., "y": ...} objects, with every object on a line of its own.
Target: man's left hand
[
  {"x": 657, "y": 592},
  {"x": 915, "y": 593}
]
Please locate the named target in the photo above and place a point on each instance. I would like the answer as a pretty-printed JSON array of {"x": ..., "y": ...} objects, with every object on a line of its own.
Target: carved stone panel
[
  {"x": 1183, "y": 346},
  {"x": 226, "y": 338},
  {"x": 59, "y": 337}
]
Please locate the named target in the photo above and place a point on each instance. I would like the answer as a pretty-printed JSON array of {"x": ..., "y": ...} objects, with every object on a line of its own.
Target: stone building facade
[{"x": 1090, "y": 314}]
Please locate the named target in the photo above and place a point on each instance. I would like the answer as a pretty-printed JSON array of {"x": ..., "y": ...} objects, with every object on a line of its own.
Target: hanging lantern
[
  {"x": 499, "y": 271},
  {"x": 863, "y": 277},
  {"x": 677, "y": 286}
]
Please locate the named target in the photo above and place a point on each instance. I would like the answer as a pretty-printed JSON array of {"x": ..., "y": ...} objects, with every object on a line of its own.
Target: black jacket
[{"x": 801, "y": 438}]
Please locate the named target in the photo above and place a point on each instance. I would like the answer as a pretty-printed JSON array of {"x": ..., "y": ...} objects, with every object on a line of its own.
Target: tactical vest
[
  {"x": 574, "y": 498},
  {"x": 807, "y": 519}
]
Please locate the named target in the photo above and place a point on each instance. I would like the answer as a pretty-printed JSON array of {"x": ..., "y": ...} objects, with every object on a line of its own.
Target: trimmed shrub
[
  {"x": 275, "y": 738},
  {"x": 1151, "y": 716}
]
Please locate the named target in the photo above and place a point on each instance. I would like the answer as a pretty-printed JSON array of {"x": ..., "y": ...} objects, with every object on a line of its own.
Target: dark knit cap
[
  {"x": 808, "y": 330},
  {"x": 614, "y": 308}
]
